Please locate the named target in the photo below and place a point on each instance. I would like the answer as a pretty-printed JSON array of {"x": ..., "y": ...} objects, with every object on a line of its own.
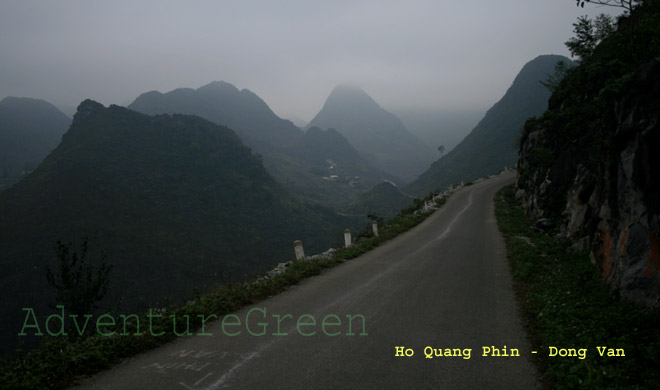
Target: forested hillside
[
  {"x": 591, "y": 160},
  {"x": 175, "y": 202}
]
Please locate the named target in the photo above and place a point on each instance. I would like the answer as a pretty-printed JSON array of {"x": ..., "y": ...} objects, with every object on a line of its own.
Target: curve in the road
[{"x": 444, "y": 285}]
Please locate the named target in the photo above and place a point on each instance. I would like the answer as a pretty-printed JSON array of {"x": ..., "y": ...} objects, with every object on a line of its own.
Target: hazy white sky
[{"x": 426, "y": 54}]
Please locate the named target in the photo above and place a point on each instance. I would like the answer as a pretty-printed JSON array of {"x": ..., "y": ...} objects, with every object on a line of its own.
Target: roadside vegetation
[
  {"x": 565, "y": 304},
  {"x": 61, "y": 361}
]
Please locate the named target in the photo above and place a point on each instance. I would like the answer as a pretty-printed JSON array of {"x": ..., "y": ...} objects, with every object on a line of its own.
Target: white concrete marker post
[
  {"x": 347, "y": 237},
  {"x": 298, "y": 248},
  {"x": 374, "y": 227}
]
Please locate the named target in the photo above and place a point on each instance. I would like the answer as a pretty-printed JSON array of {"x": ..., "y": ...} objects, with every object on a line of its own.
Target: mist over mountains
[
  {"x": 376, "y": 133},
  {"x": 222, "y": 103},
  {"x": 176, "y": 202},
  {"x": 29, "y": 130},
  {"x": 195, "y": 187},
  {"x": 440, "y": 126},
  {"x": 491, "y": 145},
  {"x": 318, "y": 167}
]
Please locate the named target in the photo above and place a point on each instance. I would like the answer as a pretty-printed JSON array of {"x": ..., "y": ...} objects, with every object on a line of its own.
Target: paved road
[{"x": 444, "y": 284}]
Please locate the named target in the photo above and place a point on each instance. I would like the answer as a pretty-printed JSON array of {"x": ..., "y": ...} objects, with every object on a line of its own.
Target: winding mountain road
[{"x": 444, "y": 284}]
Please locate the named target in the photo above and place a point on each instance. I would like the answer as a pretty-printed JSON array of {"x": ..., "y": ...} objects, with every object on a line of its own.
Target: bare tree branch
[{"x": 625, "y": 4}]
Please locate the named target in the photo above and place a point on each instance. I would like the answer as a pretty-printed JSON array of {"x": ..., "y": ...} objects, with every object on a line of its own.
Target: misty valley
[{"x": 188, "y": 205}]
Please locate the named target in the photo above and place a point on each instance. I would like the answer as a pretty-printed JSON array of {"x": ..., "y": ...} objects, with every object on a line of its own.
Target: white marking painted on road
[
  {"x": 201, "y": 380},
  {"x": 246, "y": 358},
  {"x": 222, "y": 381},
  {"x": 398, "y": 263},
  {"x": 196, "y": 383},
  {"x": 453, "y": 221}
]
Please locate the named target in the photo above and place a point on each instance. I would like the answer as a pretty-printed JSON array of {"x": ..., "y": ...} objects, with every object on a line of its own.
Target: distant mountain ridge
[
  {"x": 29, "y": 130},
  {"x": 376, "y": 133},
  {"x": 491, "y": 144},
  {"x": 176, "y": 202},
  {"x": 385, "y": 200},
  {"x": 222, "y": 103},
  {"x": 294, "y": 158},
  {"x": 317, "y": 145}
]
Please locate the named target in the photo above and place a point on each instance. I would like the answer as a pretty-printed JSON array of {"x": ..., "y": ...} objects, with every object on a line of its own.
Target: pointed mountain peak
[
  {"x": 376, "y": 133},
  {"x": 347, "y": 96},
  {"x": 348, "y": 88}
]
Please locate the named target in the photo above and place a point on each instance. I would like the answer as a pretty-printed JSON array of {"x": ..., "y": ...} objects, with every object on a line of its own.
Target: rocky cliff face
[{"x": 601, "y": 179}]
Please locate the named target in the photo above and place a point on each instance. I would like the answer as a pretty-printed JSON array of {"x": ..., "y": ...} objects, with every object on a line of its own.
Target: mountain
[
  {"x": 222, "y": 103},
  {"x": 324, "y": 168},
  {"x": 377, "y": 134},
  {"x": 385, "y": 200},
  {"x": 294, "y": 158},
  {"x": 491, "y": 144},
  {"x": 591, "y": 161},
  {"x": 317, "y": 144},
  {"x": 29, "y": 130},
  {"x": 176, "y": 202}
]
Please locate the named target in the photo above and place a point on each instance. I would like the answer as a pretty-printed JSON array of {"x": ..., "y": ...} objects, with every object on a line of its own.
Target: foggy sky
[{"x": 435, "y": 54}]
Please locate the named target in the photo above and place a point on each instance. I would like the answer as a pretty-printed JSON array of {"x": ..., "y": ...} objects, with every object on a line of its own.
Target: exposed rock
[
  {"x": 527, "y": 240},
  {"x": 544, "y": 225},
  {"x": 325, "y": 255},
  {"x": 581, "y": 245},
  {"x": 281, "y": 267},
  {"x": 604, "y": 181}
]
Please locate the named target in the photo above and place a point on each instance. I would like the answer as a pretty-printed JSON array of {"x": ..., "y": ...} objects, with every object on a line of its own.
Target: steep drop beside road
[{"x": 444, "y": 284}]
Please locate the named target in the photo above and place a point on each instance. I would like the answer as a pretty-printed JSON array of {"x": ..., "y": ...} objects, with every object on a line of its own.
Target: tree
[
  {"x": 588, "y": 34},
  {"x": 79, "y": 283},
  {"x": 603, "y": 27},
  {"x": 628, "y": 5},
  {"x": 552, "y": 82},
  {"x": 441, "y": 149}
]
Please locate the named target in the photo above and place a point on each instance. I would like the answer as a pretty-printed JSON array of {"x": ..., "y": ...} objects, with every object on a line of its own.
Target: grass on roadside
[
  {"x": 60, "y": 361},
  {"x": 567, "y": 305}
]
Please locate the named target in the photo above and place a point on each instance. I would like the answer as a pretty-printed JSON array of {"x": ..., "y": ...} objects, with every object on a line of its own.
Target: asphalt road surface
[{"x": 443, "y": 285}]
